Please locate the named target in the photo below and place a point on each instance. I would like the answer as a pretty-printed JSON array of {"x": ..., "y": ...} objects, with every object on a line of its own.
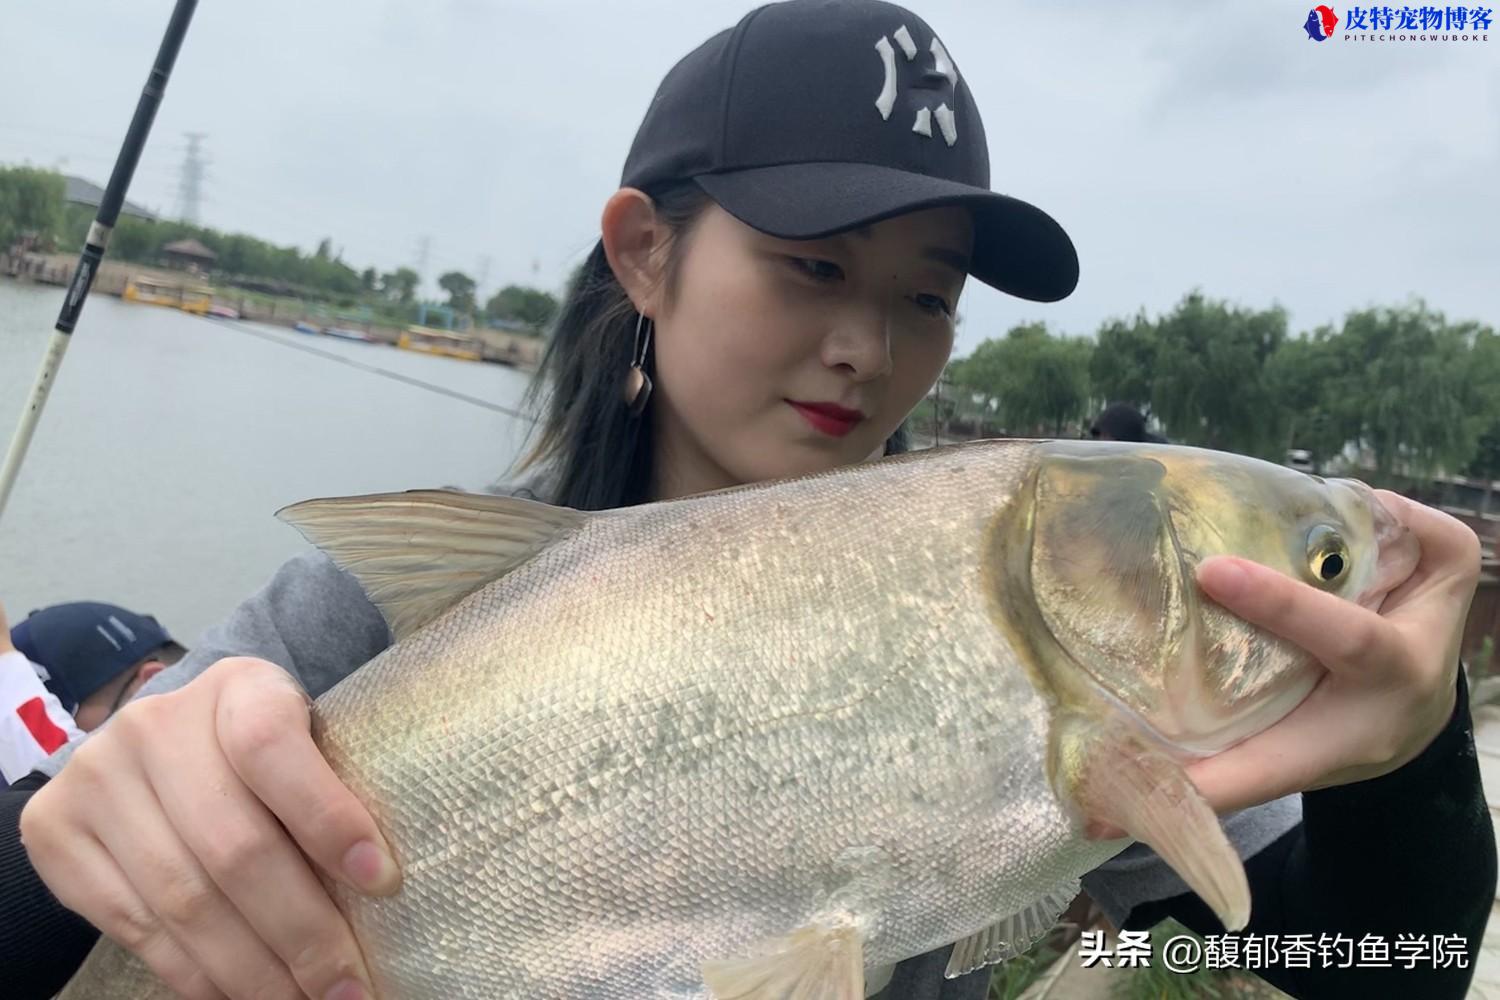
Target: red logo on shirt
[{"x": 33, "y": 715}]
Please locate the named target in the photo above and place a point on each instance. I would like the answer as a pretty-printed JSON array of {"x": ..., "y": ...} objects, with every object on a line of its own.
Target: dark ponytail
[{"x": 597, "y": 456}]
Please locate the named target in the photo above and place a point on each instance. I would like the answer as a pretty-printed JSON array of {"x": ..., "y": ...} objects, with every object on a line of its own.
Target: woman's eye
[
  {"x": 818, "y": 270},
  {"x": 935, "y": 304}
]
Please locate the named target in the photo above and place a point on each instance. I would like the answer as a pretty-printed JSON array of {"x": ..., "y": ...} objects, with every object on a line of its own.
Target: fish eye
[{"x": 1327, "y": 555}]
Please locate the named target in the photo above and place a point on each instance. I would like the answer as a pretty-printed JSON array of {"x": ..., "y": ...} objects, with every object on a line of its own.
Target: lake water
[{"x": 169, "y": 441}]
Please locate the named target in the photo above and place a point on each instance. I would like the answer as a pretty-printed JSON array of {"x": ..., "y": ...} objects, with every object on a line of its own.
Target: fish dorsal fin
[
  {"x": 816, "y": 962},
  {"x": 1015, "y": 935},
  {"x": 420, "y": 552}
]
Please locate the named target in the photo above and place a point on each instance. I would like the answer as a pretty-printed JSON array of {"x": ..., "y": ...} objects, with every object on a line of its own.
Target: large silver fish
[{"x": 767, "y": 742}]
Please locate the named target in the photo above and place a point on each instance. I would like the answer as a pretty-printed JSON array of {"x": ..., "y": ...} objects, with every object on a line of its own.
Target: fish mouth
[{"x": 1396, "y": 545}]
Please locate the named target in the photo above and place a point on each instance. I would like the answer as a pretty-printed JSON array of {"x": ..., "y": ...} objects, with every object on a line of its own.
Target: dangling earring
[{"x": 637, "y": 382}]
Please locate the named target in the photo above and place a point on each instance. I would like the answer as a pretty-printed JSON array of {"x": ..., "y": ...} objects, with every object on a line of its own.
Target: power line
[{"x": 92, "y": 137}]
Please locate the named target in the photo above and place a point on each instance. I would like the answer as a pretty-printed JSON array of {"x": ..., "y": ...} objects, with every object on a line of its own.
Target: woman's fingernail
[
  {"x": 1225, "y": 578},
  {"x": 347, "y": 989},
  {"x": 370, "y": 868}
]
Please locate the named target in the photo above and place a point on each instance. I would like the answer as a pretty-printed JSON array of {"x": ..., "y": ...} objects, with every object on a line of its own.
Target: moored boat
[
  {"x": 444, "y": 342},
  {"x": 193, "y": 298},
  {"x": 345, "y": 333}
]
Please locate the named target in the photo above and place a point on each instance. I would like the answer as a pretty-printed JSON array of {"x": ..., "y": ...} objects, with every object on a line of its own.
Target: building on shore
[
  {"x": 79, "y": 191},
  {"x": 188, "y": 255}
]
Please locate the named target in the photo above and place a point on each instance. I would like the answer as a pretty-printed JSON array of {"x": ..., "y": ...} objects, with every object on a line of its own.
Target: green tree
[
  {"x": 241, "y": 260},
  {"x": 133, "y": 239},
  {"x": 1421, "y": 392},
  {"x": 368, "y": 280},
  {"x": 1035, "y": 382},
  {"x": 328, "y": 275},
  {"x": 1309, "y": 381},
  {"x": 1210, "y": 386},
  {"x": 239, "y": 254},
  {"x": 1123, "y": 365},
  {"x": 400, "y": 285},
  {"x": 531, "y": 306},
  {"x": 31, "y": 203},
  {"x": 1485, "y": 465},
  {"x": 460, "y": 288}
]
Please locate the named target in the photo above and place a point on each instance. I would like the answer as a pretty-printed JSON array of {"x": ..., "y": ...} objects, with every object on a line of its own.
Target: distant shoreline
[{"x": 497, "y": 346}]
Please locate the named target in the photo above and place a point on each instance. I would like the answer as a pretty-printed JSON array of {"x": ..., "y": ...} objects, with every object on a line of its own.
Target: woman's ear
[{"x": 634, "y": 243}]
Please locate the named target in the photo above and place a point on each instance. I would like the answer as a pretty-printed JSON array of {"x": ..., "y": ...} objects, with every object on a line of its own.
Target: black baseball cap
[
  {"x": 83, "y": 645},
  {"x": 811, "y": 117}
]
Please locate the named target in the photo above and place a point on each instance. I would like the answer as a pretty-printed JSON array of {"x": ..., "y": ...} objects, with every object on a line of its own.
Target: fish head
[{"x": 1116, "y": 533}]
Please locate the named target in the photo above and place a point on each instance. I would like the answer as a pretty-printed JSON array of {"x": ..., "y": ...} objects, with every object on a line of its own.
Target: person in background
[
  {"x": 1122, "y": 422},
  {"x": 33, "y": 722},
  {"x": 65, "y": 669}
]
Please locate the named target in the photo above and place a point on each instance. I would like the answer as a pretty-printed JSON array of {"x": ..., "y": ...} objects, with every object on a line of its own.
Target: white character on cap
[{"x": 941, "y": 65}]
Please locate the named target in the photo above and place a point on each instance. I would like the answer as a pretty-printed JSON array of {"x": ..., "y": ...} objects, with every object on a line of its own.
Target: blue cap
[{"x": 83, "y": 645}]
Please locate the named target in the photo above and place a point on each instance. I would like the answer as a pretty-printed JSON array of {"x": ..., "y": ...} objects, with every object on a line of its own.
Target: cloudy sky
[{"x": 1182, "y": 146}]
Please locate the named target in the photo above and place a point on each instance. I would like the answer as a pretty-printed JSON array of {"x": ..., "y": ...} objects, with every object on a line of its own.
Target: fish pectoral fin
[
  {"x": 418, "y": 553},
  {"x": 1114, "y": 776},
  {"x": 878, "y": 979},
  {"x": 1015, "y": 935},
  {"x": 818, "y": 962}
]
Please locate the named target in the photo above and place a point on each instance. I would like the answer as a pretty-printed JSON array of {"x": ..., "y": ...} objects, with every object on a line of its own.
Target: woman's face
[{"x": 777, "y": 358}]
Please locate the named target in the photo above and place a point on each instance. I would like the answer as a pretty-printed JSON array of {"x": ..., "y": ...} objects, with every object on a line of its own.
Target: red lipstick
[{"x": 830, "y": 418}]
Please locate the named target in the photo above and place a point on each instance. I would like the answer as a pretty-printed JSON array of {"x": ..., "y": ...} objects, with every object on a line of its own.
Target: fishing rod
[
  {"x": 376, "y": 370},
  {"x": 96, "y": 240}
]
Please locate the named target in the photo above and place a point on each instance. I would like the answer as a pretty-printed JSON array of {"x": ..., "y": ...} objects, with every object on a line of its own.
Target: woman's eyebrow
[
  {"x": 952, "y": 258},
  {"x": 955, "y": 259}
]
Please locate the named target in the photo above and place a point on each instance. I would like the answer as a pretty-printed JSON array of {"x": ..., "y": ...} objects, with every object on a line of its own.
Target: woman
[{"x": 772, "y": 293}]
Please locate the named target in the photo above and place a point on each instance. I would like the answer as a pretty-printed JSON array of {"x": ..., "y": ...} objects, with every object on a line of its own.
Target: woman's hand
[
  {"x": 1392, "y": 678},
  {"x": 162, "y": 831}
]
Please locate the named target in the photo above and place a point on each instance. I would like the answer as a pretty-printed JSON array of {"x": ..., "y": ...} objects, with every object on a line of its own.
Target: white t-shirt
[{"x": 33, "y": 723}]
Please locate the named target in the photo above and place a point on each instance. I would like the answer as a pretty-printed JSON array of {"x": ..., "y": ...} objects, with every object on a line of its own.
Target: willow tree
[
  {"x": 1035, "y": 382},
  {"x": 1210, "y": 386},
  {"x": 1419, "y": 391}
]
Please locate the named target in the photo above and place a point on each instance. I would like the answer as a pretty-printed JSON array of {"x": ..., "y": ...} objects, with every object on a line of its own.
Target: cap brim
[{"x": 1018, "y": 248}]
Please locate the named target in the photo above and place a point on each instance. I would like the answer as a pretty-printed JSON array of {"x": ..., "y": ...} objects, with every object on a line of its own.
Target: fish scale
[{"x": 674, "y": 733}]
